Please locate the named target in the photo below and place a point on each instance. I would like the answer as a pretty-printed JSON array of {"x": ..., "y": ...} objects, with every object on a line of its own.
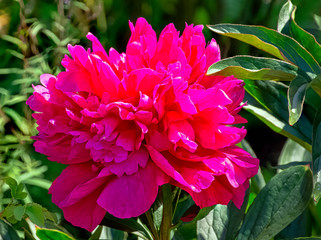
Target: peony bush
[{"x": 128, "y": 123}]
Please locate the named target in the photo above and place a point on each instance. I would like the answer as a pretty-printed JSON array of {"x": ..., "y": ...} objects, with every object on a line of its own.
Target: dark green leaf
[
  {"x": 254, "y": 68},
  {"x": 316, "y": 84},
  {"x": 316, "y": 155},
  {"x": 182, "y": 206},
  {"x": 222, "y": 222},
  {"x": 7, "y": 232},
  {"x": 128, "y": 225},
  {"x": 272, "y": 42},
  {"x": 283, "y": 199},
  {"x": 186, "y": 231},
  {"x": 301, "y": 226},
  {"x": 296, "y": 96},
  {"x": 293, "y": 152},
  {"x": 272, "y": 96},
  {"x": 50, "y": 234},
  {"x": 96, "y": 234},
  {"x": 304, "y": 238},
  {"x": 291, "y": 28}
]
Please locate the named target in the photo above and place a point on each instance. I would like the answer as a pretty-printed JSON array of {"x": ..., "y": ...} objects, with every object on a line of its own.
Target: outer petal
[
  {"x": 131, "y": 196},
  {"x": 86, "y": 213},
  {"x": 217, "y": 193},
  {"x": 77, "y": 198},
  {"x": 220, "y": 192}
]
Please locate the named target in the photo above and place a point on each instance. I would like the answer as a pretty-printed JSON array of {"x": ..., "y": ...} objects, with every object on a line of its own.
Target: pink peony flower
[{"x": 128, "y": 123}]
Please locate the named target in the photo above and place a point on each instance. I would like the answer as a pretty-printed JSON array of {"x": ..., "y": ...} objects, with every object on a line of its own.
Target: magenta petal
[
  {"x": 70, "y": 178},
  {"x": 131, "y": 196},
  {"x": 217, "y": 193},
  {"x": 86, "y": 213}
]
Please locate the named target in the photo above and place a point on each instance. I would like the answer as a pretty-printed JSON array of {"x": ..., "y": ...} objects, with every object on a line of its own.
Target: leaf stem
[
  {"x": 151, "y": 225},
  {"x": 167, "y": 212}
]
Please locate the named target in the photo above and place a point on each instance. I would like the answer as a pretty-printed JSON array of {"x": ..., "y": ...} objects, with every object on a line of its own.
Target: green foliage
[
  {"x": 254, "y": 68},
  {"x": 7, "y": 232},
  {"x": 49, "y": 234},
  {"x": 283, "y": 198},
  {"x": 222, "y": 222}
]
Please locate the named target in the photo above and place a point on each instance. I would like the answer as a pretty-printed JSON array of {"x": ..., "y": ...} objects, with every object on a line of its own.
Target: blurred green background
[{"x": 33, "y": 39}]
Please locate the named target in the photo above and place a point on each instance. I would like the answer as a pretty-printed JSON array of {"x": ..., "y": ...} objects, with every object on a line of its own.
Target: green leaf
[
  {"x": 291, "y": 28},
  {"x": 15, "y": 41},
  {"x": 7, "y": 232},
  {"x": 296, "y": 96},
  {"x": 12, "y": 183},
  {"x": 283, "y": 199},
  {"x": 316, "y": 155},
  {"x": 130, "y": 225},
  {"x": 35, "y": 213},
  {"x": 301, "y": 226},
  {"x": 305, "y": 238},
  {"x": 254, "y": 68},
  {"x": 272, "y": 42},
  {"x": 222, "y": 222},
  {"x": 186, "y": 231},
  {"x": 50, "y": 234},
  {"x": 274, "y": 110},
  {"x": 316, "y": 84},
  {"x": 20, "y": 121},
  {"x": 96, "y": 234},
  {"x": 285, "y": 16},
  {"x": 183, "y": 205},
  {"x": 20, "y": 195},
  {"x": 293, "y": 152},
  {"x": 8, "y": 213},
  {"x": 19, "y": 211}
]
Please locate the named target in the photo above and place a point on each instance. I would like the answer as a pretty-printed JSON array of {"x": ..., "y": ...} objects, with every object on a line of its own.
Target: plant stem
[
  {"x": 167, "y": 212},
  {"x": 151, "y": 225}
]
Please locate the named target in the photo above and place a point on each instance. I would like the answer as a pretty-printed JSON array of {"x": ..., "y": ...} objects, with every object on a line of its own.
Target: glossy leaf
[
  {"x": 222, "y": 222},
  {"x": 130, "y": 225},
  {"x": 285, "y": 17},
  {"x": 316, "y": 84},
  {"x": 7, "y": 232},
  {"x": 272, "y": 110},
  {"x": 283, "y": 199},
  {"x": 51, "y": 234},
  {"x": 272, "y": 42},
  {"x": 296, "y": 96},
  {"x": 301, "y": 226},
  {"x": 316, "y": 155},
  {"x": 287, "y": 25},
  {"x": 186, "y": 231},
  {"x": 254, "y": 68},
  {"x": 293, "y": 152}
]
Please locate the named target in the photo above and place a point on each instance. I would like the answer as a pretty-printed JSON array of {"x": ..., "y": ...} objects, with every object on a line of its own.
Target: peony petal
[{"x": 131, "y": 196}]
